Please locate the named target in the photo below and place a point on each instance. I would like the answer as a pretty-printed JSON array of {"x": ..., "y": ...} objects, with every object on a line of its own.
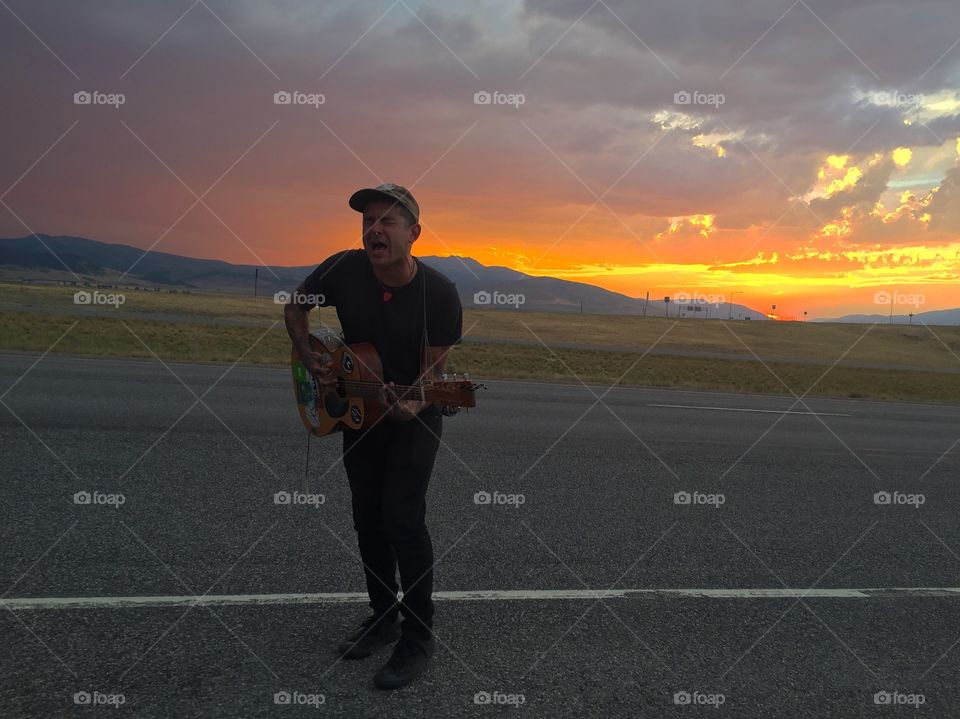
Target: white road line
[
  {"x": 741, "y": 409},
  {"x": 478, "y": 596}
]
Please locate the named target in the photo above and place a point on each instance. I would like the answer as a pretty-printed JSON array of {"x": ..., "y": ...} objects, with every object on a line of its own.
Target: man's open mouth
[{"x": 377, "y": 246}]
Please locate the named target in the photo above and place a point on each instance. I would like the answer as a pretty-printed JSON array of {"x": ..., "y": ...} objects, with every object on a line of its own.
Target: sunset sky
[{"x": 803, "y": 154}]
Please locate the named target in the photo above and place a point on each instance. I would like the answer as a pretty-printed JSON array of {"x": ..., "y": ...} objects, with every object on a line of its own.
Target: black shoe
[
  {"x": 410, "y": 657},
  {"x": 372, "y": 633}
]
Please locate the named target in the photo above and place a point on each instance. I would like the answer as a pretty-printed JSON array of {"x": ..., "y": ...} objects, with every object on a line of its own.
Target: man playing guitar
[{"x": 412, "y": 315}]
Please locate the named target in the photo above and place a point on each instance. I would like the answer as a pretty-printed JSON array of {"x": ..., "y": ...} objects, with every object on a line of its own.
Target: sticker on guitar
[{"x": 356, "y": 400}]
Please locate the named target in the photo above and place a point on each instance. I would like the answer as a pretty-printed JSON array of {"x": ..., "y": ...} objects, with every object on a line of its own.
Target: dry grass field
[{"x": 880, "y": 362}]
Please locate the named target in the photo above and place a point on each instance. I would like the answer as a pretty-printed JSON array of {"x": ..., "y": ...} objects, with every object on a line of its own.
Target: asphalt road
[{"x": 777, "y": 501}]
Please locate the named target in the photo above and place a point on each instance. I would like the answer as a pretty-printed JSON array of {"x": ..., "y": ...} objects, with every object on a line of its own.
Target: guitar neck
[{"x": 419, "y": 393}]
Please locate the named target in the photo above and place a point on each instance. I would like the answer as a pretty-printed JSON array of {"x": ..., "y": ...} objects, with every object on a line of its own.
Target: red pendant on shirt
[{"x": 387, "y": 296}]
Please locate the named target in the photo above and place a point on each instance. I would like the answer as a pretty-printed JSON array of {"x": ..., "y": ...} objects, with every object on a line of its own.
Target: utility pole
[
  {"x": 256, "y": 276},
  {"x": 730, "y": 304},
  {"x": 645, "y": 303}
]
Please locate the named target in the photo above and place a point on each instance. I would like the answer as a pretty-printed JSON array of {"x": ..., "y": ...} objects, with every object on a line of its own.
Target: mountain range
[
  {"x": 933, "y": 317},
  {"x": 29, "y": 259}
]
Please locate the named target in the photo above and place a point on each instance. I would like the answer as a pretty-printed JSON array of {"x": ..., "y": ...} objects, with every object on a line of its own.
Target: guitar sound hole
[{"x": 335, "y": 405}]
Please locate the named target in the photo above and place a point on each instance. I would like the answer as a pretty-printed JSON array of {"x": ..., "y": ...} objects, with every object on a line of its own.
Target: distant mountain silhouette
[
  {"x": 26, "y": 258},
  {"x": 934, "y": 317}
]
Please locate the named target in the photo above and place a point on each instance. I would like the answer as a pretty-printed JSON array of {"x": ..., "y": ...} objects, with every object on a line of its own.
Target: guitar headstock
[{"x": 453, "y": 393}]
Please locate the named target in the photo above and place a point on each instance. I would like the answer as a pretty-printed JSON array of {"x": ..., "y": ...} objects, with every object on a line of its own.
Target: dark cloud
[
  {"x": 861, "y": 196},
  {"x": 944, "y": 206},
  {"x": 398, "y": 100}
]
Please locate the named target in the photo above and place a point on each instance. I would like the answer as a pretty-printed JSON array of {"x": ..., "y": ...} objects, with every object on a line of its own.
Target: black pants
[{"x": 389, "y": 469}]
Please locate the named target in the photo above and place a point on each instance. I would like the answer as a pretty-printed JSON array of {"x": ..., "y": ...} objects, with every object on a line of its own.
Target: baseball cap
[{"x": 387, "y": 191}]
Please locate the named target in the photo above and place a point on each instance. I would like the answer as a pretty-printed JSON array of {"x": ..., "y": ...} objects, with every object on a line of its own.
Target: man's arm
[
  {"x": 298, "y": 324},
  {"x": 407, "y": 409},
  {"x": 296, "y": 318},
  {"x": 436, "y": 361},
  {"x": 445, "y": 326}
]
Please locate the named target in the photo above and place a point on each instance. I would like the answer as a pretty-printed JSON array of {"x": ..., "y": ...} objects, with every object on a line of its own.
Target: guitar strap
[
  {"x": 306, "y": 469},
  {"x": 446, "y": 411},
  {"x": 425, "y": 344}
]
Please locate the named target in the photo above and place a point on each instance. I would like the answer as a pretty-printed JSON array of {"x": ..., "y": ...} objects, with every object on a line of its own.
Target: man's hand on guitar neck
[{"x": 401, "y": 410}]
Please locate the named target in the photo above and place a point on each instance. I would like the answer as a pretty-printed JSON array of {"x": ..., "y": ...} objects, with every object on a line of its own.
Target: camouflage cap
[{"x": 388, "y": 191}]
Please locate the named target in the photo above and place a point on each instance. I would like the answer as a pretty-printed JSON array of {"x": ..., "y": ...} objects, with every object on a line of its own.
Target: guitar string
[{"x": 377, "y": 386}]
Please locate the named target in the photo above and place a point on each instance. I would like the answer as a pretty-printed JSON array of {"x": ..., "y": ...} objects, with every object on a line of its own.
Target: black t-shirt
[{"x": 395, "y": 325}]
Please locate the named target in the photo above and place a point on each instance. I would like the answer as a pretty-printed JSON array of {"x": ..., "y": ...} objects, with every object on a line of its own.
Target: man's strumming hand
[{"x": 320, "y": 366}]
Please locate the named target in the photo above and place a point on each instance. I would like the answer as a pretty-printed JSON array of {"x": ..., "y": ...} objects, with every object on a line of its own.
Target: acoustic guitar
[{"x": 356, "y": 401}]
